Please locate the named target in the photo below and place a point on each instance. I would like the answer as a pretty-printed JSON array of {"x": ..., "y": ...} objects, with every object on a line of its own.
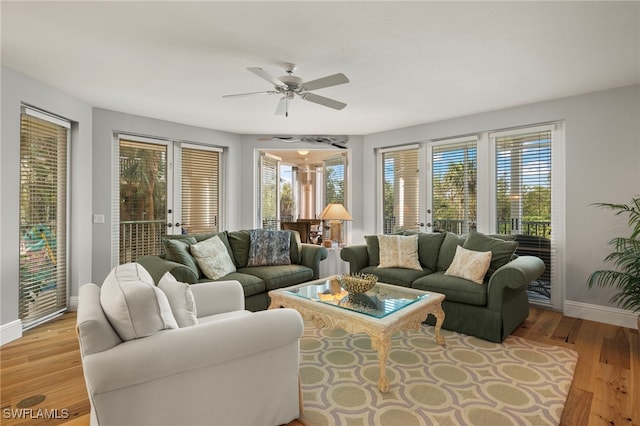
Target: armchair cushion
[
  {"x": 213, "y": 258},
  {"x": 181, "y": 300},
  {"x": 132, "y": 303}
]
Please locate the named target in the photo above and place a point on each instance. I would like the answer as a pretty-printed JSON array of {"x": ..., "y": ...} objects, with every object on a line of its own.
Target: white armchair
[{"x": 233, "y": 368}]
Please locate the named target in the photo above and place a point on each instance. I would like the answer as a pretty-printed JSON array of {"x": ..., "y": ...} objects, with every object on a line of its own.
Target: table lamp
[{"x": 335, "y": 213}]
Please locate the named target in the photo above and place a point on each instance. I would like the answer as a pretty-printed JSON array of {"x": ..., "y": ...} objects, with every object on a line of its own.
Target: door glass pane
[
  {"x": 523, "y": 198},
  {"x": 335, "y": 170},
  {"x": 43, "y": 220},
  {"x": 454, "y": 187},
  {"x": 143, "y": 199},
  {"x": 268, "y": 192},
  {"x": 200, "y": 190},
  {"x": 400, "y": 190}
]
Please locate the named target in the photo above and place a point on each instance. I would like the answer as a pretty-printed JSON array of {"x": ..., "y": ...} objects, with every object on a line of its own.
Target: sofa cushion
[
  {"x": 373, "y": 249},
  {"x": 448, "y": 250},
  {"x": 212, "y": 257},
  {"x": 132, "y": 303},
  {"x": 295, "y": 249},
  {"x": 398, "y": 251},
  {"x": 428, "y": 248},
  {"x": 178, "y": 250},
  {"x": 269, "y": 248},
  {"x": 455, "y": 289},
  {"x": 470, "y": 265},
  {"x": 180, "y": 299},
  {"x": 280, "y": 275},
  {"x": 251, "y": 284},
  {"x": 398, "y": 276},
  {"x": 501, "y": 249}
]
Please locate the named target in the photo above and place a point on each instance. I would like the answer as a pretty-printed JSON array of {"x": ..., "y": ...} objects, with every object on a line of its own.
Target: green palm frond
[{"x": 625, "y": 258}]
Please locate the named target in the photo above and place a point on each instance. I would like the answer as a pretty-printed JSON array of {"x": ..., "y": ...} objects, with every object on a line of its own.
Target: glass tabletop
[{"x": 378, "y": 302}]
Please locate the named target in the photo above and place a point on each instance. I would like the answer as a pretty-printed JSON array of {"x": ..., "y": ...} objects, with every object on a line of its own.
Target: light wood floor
[{"x": 605, "y": 390}]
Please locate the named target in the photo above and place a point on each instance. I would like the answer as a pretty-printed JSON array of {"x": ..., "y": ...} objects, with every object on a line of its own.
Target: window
[
  {"x": 44, "y": 141},
  {"x": 269, "y": 191},
  {"x": 453, "y": 186},
  {"x": 335, "y": 172},
  {"x": 400, "y": 189},
  {"x": 162, "y": 187}
]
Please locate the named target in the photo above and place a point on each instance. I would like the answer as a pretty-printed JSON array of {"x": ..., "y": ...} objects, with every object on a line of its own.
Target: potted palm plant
[{"x": 625, "y": 257}]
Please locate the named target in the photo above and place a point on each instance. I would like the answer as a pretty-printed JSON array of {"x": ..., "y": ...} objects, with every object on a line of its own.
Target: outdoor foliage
[{"x": 625, "y": 257}]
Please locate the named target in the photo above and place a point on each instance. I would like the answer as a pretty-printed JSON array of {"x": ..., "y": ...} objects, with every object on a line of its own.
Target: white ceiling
[{"x": 408, "y": 62}]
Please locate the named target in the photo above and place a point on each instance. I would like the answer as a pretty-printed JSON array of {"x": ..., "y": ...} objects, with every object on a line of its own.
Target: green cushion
[
  {"x": 501, "y": 250},
  {"x": 295, "y": 250},
  {"x": 279, "y": 276},
  {"x": 373, "y": 249},
  {"x": 448, "y": 250},
  {"x": 398, "y": 276},
  {"x": 240, "y": 241},
  {"x": 177, "y": 250},
  {"x": 455, "y": 289},
  {"x": 428, "y": 248}
]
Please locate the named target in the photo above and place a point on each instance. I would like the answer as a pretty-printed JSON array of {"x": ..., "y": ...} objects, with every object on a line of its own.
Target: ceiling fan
[
  {"x": 290, "y": 85},
  {"x": 339, "y": 141}
]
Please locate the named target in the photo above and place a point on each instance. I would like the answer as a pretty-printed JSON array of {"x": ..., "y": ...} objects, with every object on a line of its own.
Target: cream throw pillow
[
  {"x": 133, "y": 304},
  {"x": 181, "y": 300},
  {"x": 213, "y": 258},
  {"x": 398, "y": 251},
  {"x": 470, "y": 265}
]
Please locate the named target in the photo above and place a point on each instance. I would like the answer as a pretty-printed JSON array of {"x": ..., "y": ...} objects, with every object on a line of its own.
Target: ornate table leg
[
  {"x": 439, "y": 314},
  {"x": 382, "y": 344}
]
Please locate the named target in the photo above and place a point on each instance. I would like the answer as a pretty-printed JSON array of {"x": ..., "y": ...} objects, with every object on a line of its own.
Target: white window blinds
[
  {"x": 335, "y": 175},
  {"x": 523, "y": 182},
  {"x": 454, "y": 186},
  {"x": 200, "y": 188},
  {"x": 43, "y": 216},
  {"x": 401, "y": 189},
  {"x": 269, "y": 191}
]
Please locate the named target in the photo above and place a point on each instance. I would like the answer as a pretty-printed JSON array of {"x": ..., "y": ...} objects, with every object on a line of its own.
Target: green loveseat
[
  {"x": 491, "y": 310},
  {"x": 256, "y": 281}
]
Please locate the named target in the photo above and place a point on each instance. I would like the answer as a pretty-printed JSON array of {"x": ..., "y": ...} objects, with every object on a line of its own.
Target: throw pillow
[
  {"x": 213, "y": 258},
  {"x": 448, "y": 250},
  {"x": 399, "y": 252},
  {"x": 373, "y": 249},
  {"x": 132, "y": 303},
  {"x": 181, "y": 300},
  {"x": 470, "y": 265},
  {"x": 177, "y": 250},
  {"x": 269, "y": 248},
  {"x": 501, "y": 250}
]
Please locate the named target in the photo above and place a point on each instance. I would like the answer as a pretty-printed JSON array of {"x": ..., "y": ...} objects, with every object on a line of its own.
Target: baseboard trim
[
  {"x": 10, "y": 331},
  {"x": 602, "y": 314}
]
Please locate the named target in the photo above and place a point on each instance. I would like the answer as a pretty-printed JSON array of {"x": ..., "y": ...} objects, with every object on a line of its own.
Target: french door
[{"x": 164, "y": 187}]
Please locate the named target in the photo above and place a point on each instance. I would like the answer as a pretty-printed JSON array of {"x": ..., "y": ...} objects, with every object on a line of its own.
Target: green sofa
[
  {"x": 256, "y": 281},
  {"x": 491, "y": 310}
]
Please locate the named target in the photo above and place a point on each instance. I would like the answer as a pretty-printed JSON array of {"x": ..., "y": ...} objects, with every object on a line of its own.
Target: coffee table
[{"x": 380, "y": 312}]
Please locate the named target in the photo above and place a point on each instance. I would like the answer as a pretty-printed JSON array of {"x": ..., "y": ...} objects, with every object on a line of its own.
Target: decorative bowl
[{"x": 357, "y": 283}]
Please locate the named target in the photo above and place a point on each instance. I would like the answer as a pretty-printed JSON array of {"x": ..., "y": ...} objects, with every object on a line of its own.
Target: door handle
[{"x": 169, "y": 225}]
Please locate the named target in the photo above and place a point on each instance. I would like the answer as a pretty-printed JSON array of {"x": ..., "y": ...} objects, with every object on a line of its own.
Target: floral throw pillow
[
  {"x": 213, "y": 258},
  {"x": 399, "y": 252},
  {"x": 269, "y": 248},
  {"x": 470, "y": 265}
]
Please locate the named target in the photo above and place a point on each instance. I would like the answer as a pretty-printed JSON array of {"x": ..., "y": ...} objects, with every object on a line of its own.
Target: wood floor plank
[{"x": 606, "y": 383}]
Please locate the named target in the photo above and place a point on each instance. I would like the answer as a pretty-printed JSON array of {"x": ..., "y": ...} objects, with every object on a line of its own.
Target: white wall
[
  {"x": 602, "y": 141},
  {"x": 17, "y": 89},
  {"x": 105, "y": 122}
]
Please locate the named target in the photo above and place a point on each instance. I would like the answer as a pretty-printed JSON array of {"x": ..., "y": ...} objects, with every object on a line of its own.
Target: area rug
[{"x": 468, "y": 382}]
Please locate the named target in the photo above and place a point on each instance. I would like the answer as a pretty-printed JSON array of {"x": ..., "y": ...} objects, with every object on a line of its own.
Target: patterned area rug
[{"x": 469, "y": 382}]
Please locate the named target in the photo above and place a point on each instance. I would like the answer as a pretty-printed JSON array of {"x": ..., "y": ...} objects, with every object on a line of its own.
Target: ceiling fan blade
[
  {"x": 282, "y": 106},
  {"x": 265, "y": 75},
  {"x": 331, "y": 103},
  {"x": 237, "y": 95},
  {"x": 331, "y": 80}
]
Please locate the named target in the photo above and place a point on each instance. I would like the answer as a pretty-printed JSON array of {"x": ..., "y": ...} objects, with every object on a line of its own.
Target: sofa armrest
[
  {"x": 357, "y": 256},
  {"x": 157, "y": 266},
  {"x": 311, "y": 256},
  {"x": 218, "y": 297},
  {"x": 515, "y": 276},
  {"x": 173, "y": 352}
]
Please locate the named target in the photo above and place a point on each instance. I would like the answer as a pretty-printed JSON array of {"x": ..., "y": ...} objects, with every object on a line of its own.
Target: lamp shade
[{"x": 335, "y": 211}]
